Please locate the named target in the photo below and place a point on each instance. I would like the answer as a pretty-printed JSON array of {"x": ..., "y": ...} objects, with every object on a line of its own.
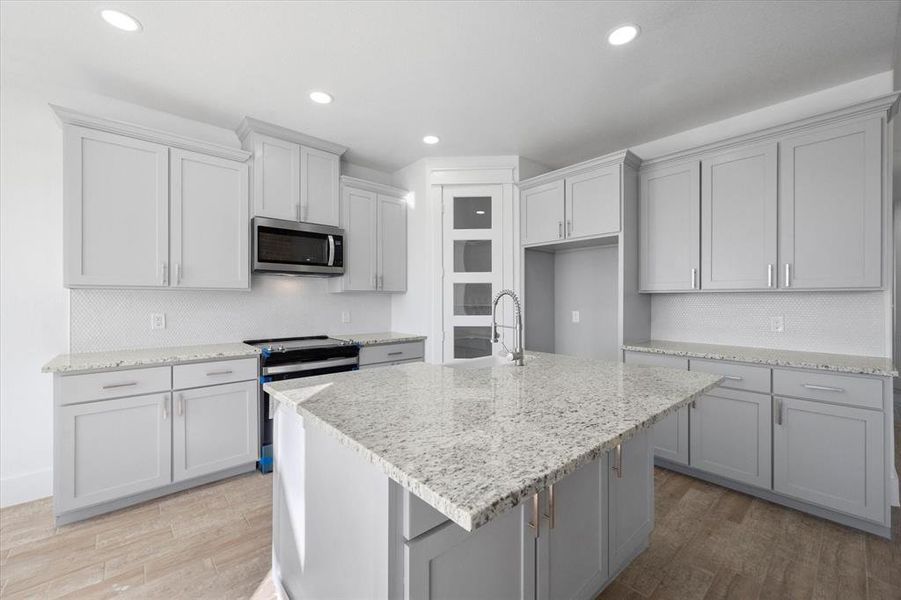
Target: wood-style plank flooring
[{"x": 214, "y": 542}]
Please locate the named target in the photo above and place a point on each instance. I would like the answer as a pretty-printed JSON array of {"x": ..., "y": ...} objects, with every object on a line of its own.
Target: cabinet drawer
[
  {"x": 656, "y": 360},
  {"x": 737, "y": 376},
  {"x": 841, "y": 389},
  {"x": 391, "y": 353},
  {"x": 74, "y": 389},
  {"x": 212, "y": 373}
]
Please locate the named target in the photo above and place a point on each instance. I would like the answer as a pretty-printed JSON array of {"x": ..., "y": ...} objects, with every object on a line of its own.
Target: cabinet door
[
  {"x": 214, "y": 428},
  {"x": 112, "y": 449},
  {"x": 360, "y": 224},
  {"x": 670, "y": 435},
  {"x": 738, "y": 219},
  {"x": 319, "y": 173},
  {"x": 392, "y": 246},
  {"x": 276, "y": 178},
  {"x": 830, "y": 216},
  {"x": 669, "y": 228},
  {"x": 542, "y": 213},
  {"x": 631, "y": 500},
  {"x": 592, "y": 203},
  {"x": 209, "y": 235},
  {"x": 730, "y": 436},
  {"x": 495, "y": 561},
  {"x": 116, "y": 203},
  {"x": 572, "y": 556},
  {"x": 830, "y": 455}
]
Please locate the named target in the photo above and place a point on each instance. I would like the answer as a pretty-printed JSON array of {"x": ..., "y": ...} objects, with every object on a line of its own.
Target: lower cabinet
[
  {"x": 830, "y": 455},
  {"x": 214, "y": 428},
  {"x": 730, "y": 435},
  {"x": 112, "y": 448},
  {"x": 630, "y": 500}
]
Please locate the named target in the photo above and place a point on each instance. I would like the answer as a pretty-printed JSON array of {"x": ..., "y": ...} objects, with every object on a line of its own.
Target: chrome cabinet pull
[
  {"x": 824, "y": 388},
  {"x": 769, "y": 276},
  {"x": 694, "y": 278},
  {"x": 535, "y": 523},
  {"x": 569, "y": 228},
  {"x": 165, "y": 271},
  {"x": 112, "y": 386},
  {"x": 733, "y": 377},
  {"x": 180, "y": 407},
  {"x": 778, "y": 411},
  {"x": 618, "y": 461},
  {"x": 375, "y": 282},
  {"x": 551, "y": 514},
  {"x": 787, "y": 275},
  {"x": 297, "y": 212},
  {"x": 225, "y": 372},
  {"x": 694, "y": 404},
  {"x": 166, "y": 409},
  {"x": 177, "y": 273},
  {"x": 381, "y": 282},
  {"x": 395, "y": 353},
  {"x": 560, "y": 229}
]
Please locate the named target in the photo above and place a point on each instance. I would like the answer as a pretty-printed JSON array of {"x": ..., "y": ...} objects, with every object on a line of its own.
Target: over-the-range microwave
[{"x": 294, "y": 248}]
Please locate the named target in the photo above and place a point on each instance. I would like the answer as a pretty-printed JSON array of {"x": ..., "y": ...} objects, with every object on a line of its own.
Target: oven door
[{"x": 302, "y": 248}]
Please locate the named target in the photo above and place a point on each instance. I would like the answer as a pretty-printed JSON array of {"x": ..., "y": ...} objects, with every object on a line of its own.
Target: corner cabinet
[{"x": 374, "y": 219}]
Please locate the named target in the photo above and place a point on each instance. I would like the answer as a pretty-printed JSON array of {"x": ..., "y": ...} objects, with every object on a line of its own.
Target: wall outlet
[
  {"x": 345, "y": 316},
  {"x": 157, "y": 320},
  {"x": 777, "y": 324},
  {"x": 576, "y": 316}
]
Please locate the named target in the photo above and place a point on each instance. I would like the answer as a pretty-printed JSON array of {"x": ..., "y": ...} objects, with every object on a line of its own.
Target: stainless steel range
[{"x": 291, "y": 358}]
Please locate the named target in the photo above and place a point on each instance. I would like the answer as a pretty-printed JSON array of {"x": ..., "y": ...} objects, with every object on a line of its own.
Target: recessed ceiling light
[
  {"x": 321, "y": 97},
  {"x": 480, "y": 212},
  {"x": 623, "y": 35},
  {"x": 120, "y": 20},
  {"x": 431, "y": 139}
]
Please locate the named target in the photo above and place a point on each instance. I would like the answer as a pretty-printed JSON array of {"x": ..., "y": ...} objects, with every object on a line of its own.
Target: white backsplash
[
  {"x": 275, "y": 307},
  {"x": 836, "y": 322}
]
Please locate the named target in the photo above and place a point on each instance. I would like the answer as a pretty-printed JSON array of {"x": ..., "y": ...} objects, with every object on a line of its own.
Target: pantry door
[{"x": 472, "y": 268}]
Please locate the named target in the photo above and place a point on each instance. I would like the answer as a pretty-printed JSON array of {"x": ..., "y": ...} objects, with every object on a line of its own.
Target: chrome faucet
[{"x": 518, "y": 355}]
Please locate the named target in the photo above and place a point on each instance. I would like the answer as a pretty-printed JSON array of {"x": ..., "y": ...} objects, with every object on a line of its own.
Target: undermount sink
[{"x": 487, "y": 362}]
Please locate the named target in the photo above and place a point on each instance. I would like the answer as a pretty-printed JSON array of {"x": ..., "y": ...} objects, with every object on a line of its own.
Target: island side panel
[{"x": 331, "y": 516}]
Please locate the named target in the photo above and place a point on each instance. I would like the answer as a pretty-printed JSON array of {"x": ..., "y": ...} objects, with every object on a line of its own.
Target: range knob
[{"x": 281, "y": 348}]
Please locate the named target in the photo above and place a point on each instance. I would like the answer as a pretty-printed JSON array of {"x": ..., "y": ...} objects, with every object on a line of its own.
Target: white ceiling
[{"x": 530, "y": 78}]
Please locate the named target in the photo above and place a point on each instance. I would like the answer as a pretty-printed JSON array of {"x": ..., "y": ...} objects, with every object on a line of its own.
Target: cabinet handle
[
  {"x": 824, "y": 388},
  {"x": 166, "y": 409},
  {"x": 778, "y": 411},
  {"x": 535, "y": 523},
  {"x": 694, "y": 278},
  {"x": 733, "y": 377},
  {"x": 180, "y": 407},
  {"x": 694, "y": 404},
  {"x": 551, "y": 514},
  {"x": 375, "y": 282},
  {"x": 165, "y": 271},
  {"x": 560, "y": 229},
  {"x": 225, "y": 372},
  {"x": 177, "y": 273},
  {"x": 395, "y": 353},
  {"x": 569, "y": 228},
  {"x": 381, "y": 282},
  {"x": 769, "y": 276},
  {"x": 112, "y": 386},
  {"x": 297, "y": 212},
  {"x": 787, "y": 275},
  {"x": 618, "y": 461}
]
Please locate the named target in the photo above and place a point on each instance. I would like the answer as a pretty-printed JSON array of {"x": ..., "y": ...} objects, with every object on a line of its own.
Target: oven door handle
[
  {"x": 299, "y": 367},
  {"x": 331, "y": 251}
]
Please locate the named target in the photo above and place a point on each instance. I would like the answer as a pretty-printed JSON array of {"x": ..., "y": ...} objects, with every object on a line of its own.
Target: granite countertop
[
  {"x": 145, "y": 357},
  {"x": 475, "y": 442},
  {"x": 375, "y": 339},
  {"x": 841, "y": 363}
]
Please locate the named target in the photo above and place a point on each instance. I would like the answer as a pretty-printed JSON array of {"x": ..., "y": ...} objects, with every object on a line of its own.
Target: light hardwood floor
[{"x": 214, "y": 542}]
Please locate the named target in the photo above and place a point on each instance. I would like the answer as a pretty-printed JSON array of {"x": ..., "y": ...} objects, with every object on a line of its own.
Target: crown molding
[
  {"x": 68, "y": 116},
  {"x": 624, "y": 157},
  {"x": 250, "y": 125},
  {"x": 372, "y": 186},
  {"x": 886, "y": 105}
]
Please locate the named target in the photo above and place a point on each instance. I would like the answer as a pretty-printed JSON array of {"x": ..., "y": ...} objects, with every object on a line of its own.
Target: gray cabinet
[
  {"x": 392, "y": 244},
  {"x": 738, "y": 219},
  {"x": 319, "y": 173},
  {"x": 360, "y": 222},
  {"x": 830, "y": 216},
  {"x": 669, "y": 227},
  {"x": 214, "y": 428},
  {"x": 630, "y": 477},
  {"x": 730, "y": 435},
  {"x": 543, "y": 213},
  {"x": 276, "y": 178},
  {"x": 830, "y": 455},
  {"x": 592, "y": 202},
  {"x": 110, "y": 449}
]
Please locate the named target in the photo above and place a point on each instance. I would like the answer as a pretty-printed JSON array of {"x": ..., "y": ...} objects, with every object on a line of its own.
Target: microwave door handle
[{"x": 331, "y": 250}]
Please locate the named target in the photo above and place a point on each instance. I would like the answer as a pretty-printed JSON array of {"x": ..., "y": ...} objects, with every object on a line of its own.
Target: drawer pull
[
  {"x": 395, "y": 353},
  {"x": 823, "y": 388},
  {"x": 778, "y": 411},
  {"x": 535, "y": 523},
  {"x": 733, "y": 377},
  {"x": 112, "y": 386},
  {"x": 551, "y": 515},
  {"x": 618, "y": 461},
  {"x": 225, "y": 372}
]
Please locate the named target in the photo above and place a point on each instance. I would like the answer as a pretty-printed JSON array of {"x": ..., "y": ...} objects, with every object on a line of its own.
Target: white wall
[
  {"x": 34, "y": 307},
  {"x": 585, "y": 280}
]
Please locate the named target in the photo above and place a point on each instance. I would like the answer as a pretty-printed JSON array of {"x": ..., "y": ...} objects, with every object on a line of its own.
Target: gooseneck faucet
[{"x": 518, "y": 355}]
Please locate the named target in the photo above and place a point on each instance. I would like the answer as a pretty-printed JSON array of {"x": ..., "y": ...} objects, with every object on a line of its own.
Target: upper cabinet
[
  {"x": 148, "y": 209},
  {"x": 583, "y": 201},
  {"x": 374, "y": 219},
  {"x": 669, "y": 209},
  {"x": 295, "y": 176},
  {"x": 798, "y": 207}
]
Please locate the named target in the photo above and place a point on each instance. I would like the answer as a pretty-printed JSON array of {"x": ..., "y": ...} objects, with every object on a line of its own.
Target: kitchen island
[{"x": 425, "y": 481}]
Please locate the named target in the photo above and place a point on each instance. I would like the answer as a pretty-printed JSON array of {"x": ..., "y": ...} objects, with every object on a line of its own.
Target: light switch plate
[
  {"x": 345, "y": 316},
  {"x": 157, "y": 320},
  {"x": 777, "y": 324},
  {"x": 576, "y": 316}
]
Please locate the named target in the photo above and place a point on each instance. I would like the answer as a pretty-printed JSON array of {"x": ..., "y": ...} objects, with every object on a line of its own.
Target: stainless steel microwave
[{"x": 294, "y": 248}]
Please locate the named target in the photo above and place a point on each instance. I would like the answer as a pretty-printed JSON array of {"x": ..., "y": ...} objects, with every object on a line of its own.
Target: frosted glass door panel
[
  {"x": 472, "y": 298},
  {"x": 472, "y": 256},
  {"x": 472, "y": 212},
  {"x": 472, "y": 342}
]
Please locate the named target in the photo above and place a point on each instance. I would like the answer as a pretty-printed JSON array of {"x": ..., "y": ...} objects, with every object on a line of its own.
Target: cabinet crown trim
[
  {"x": 372, "y": 186},
  {"x": 625, "y": 157},
  {"x": 882, "y": 106},
  {"x": 68, "y": 116},
  {"x": 250, "y": 125}
]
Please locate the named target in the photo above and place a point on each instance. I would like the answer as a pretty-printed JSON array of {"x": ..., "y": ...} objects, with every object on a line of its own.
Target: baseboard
[{"x": 25, "y": 488}]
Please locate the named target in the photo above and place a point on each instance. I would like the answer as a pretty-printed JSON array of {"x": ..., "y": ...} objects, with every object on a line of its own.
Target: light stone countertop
[
  {"x": 840, "y": 363},
  {"x": 145, "y": 357},
  {"x": 376, "y": 339},
  {"x": 475, "y": 442}
]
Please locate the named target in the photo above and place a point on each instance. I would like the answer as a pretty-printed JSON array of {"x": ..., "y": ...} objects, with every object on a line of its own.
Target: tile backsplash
[
  {"x": 837, "y": 322},
  {"x": 275, "y": 307}
]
